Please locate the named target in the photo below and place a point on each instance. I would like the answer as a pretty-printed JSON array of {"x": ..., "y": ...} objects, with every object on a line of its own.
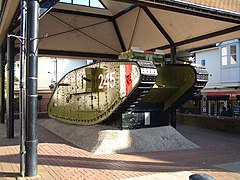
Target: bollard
[{"x": 200, "y": 177}]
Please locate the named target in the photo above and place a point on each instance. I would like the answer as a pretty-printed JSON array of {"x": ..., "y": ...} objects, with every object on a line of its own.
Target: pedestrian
[{"x": 224, "y": 111}]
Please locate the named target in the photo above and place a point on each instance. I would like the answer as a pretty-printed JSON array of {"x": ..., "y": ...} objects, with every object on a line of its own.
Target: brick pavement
[{"x": 58, "y": 159}]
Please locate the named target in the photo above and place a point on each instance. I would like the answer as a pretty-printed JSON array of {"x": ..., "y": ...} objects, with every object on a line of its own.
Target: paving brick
[{"x": 59, "y": 159}]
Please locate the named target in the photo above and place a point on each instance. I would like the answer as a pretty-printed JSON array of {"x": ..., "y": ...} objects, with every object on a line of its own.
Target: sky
[{"x": 93, "y": 3}]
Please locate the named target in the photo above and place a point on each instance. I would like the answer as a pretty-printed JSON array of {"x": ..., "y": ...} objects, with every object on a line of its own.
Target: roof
[{"x": 230, "y": 5}]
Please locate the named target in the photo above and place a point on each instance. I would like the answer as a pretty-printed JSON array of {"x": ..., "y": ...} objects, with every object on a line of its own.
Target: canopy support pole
[
  {"x": 173, "y": 61},
  {"x": 31, "y": 90},
  {"x": 173, "y": 54},
  {"x": 10, "y": 87},
  {"x": 2, "y": 85}
]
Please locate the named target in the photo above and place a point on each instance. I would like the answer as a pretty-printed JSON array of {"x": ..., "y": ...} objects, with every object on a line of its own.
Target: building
[
  {"x": 50, "y": 71},
  {"x": 222, "y": 61}
]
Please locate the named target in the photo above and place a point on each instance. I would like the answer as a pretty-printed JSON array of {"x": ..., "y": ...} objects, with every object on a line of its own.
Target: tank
[{"x": 131, "y": 86}]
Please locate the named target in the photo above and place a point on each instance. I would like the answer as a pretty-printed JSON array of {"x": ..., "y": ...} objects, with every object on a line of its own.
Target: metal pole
[
  {"x": 10, "y": 87},
  {"x": 31, "y": 90},
  {"x": 173, "y": 60},
  {"x": 173, "y": 54},
  {"x": 21, "y": 93},
  {"x": 55, "y": 71},
  {"x": 2, "y": 85},
  {"x": 173, "y": 119}
]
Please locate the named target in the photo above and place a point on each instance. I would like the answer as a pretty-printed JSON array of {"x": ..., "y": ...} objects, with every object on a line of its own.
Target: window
[
  {"x": 224, "y": 56},
  {"x": 81, "y": 2},
  {"x": 233, "y": 54},
  {"x": 90, "y": 3},
  {"x": 96, "y": 3},
  {"x": 229, "y": 55},
  {"x": 66, "y": 1},
  {"x": 203, "y": 62}
]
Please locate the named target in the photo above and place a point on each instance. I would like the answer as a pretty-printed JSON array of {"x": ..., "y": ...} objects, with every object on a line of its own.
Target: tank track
[
  {"x": 133, "y": 101},
  {"x": 200, "y": 83}
]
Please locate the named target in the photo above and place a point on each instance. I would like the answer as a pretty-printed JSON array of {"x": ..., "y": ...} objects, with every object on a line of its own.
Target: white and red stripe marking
[{"x": 129, "y": 77}]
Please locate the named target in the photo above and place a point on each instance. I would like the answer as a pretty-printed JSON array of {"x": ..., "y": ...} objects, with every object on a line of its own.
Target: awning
[{"x": 233, "y": 94}]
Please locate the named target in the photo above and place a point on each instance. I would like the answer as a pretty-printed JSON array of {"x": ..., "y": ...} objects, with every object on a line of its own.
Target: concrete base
[{"x": 102, "y": 139}]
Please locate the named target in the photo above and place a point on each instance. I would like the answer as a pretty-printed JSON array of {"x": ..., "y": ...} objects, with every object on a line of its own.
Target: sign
[{"x": 233, "y": 95}]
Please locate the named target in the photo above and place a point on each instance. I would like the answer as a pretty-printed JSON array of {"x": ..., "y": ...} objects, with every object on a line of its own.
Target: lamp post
[{"x": 22, "y": 79}]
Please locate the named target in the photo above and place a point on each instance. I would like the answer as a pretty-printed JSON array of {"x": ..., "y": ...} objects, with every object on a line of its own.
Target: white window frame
[
  {"x": 230, "y": 55},
  {"x": 229, "y": 64}
]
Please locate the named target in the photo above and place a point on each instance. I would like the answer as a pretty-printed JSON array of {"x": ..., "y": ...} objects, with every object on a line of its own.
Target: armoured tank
[{"x": 137, "y": 88}]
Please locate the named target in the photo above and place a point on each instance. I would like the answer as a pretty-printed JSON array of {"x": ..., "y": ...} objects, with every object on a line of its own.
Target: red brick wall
[
  {"x": 42, "y": 104},
  {"x": 228, "y": 124}
]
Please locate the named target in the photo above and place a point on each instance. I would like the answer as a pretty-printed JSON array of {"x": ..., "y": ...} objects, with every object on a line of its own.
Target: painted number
[{"x": 108, "y": 80}]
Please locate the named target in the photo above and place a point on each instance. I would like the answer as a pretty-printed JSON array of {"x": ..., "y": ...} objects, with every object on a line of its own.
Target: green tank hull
[
  {"x": 90, "y": 94},
  {"x": 107, "y": 89}
]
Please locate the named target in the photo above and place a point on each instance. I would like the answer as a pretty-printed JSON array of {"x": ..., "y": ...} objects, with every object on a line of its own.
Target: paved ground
[{"x": 219, "y": 156}]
